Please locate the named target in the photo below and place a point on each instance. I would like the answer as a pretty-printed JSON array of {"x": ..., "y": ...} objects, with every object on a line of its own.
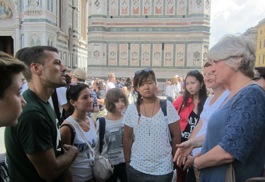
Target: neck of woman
[
  {"x": 218, "y": 91},
  {"x": 79, "y": 115},
  {"x": 195, "y": 97},
  {"x": 114, "y": 115},
  {"x": 150, "y": 100}
]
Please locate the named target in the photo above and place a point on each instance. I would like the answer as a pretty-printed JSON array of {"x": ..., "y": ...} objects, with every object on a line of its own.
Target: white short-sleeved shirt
[
  {"x": 151, "y": 152},
  {"x": 109, "y": 86},
  {"x": 208, "y": 110},
  {"x": 61, "y": 95}
]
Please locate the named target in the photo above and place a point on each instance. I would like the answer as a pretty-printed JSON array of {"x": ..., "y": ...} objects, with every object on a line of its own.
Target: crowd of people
[{"x": 211, "y": 122}]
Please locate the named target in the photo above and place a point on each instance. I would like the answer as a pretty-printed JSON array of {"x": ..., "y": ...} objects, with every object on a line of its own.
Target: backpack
[{"x": 163, "y": 105}]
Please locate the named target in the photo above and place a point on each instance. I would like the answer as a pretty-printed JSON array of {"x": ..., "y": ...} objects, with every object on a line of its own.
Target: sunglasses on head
[{"x": 147, "y": 70}]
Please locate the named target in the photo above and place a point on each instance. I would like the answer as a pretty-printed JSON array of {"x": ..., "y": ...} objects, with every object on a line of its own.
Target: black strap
[
  {"x": 56, "y": 104},
  {"x": 163, "y": 105},
  {"x": 72, "y": 132},
  {"x": 102, "y": 125}
]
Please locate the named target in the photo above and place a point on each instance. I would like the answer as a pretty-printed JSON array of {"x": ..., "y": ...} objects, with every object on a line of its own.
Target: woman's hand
[
  {"x": 189, "y": 162},
  {"x": 183, "y": 151}
]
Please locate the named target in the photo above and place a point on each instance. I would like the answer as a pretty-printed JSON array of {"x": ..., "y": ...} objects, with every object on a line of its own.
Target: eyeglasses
[{"x": 147, "y": 70}]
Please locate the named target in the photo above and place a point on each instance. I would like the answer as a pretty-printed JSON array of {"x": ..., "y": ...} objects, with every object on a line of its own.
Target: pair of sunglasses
[{"x": 147, "y": 70}]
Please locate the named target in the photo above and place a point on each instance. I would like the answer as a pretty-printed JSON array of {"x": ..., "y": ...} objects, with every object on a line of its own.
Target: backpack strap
[
  {"x": 102, "y": 126},
  {"x": 163, "y": 105},
  {"x": 56, "y": 105},
  {"x": 72, "y": 132}
]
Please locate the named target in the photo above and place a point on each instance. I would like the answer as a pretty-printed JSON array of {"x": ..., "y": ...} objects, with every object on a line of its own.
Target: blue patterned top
[{"x": 239, "y": 128}]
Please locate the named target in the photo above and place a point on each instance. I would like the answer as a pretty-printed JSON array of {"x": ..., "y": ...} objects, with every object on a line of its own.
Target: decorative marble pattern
[{"x": 134, "y": 54}]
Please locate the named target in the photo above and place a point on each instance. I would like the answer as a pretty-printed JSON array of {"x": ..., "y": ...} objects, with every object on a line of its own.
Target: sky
[{"x": 234, "y": 17}]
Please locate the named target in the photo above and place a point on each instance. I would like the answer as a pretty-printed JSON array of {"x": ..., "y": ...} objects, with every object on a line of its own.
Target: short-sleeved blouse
[{"x": 151, "y": 152}]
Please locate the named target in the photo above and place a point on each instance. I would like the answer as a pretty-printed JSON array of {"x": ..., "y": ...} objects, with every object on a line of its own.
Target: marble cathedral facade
[
  {"x": 58, "y": 23},
  {"x": 171, "y": 36}
]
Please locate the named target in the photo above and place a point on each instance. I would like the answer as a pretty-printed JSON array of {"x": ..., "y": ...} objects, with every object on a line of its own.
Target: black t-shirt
[{"x": 192, "y": 122}]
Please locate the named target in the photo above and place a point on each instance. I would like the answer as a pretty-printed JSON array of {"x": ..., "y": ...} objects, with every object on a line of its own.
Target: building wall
[
  {"x": 48, "y": 22},
  {"x": 171, "y": 36},
  {"x": 260, "y": 45}
]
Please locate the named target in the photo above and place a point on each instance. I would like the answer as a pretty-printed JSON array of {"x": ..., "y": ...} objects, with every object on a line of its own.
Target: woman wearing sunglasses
[{"x": 148, "y": 133}]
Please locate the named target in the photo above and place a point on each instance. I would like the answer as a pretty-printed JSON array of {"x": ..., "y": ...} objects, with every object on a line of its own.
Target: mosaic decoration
[
  {"x": 181, "y": 7},
  {"x": 113, "y": 8},
  {"x": 135, "y": 7},
  {"x": 147, "y": 9},
  {"x": 5, "y": 11},
  {"x": 207, "y": 4},
  {"x": 97, "y": 3},
  {"x": 168, "y": 55},
  {"x": 123, "y": 57},
  {"x": 179, "y": 55},
  {"x": 158, "y": 7},
  {"x": 124, "y": 7},
  {"x": 170, "y": 7},
  {"x": 145, "y": 61},
  {"x": 194, "y": 55},
  {"x": 204, "y": 56},
  {"x": 104, "y": 50},
  {"x": 157, "y": 55},
  {"x": 113, "y": 54},
  {"x": 34, "y": 40},
  {"x": 134, "y": 57},
  {"x": 196, "y": 6},
  {"x": 207, "y": 7}
]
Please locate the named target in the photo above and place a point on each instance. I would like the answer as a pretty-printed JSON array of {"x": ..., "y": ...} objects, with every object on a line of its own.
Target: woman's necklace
[
  {"x": 81, "y": 121},
  {"x": 149, "y": 125}
]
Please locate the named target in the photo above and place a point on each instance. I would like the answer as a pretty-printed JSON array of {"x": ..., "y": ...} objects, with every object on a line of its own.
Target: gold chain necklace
[{"x": 149, "y": 126}]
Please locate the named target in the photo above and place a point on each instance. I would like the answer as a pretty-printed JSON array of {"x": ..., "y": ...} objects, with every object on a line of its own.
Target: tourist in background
[
  {"x": 189, "y": 106},
  {"x": 98, "y": 87},
  {"x": 235, "y": 133},
  {"x": 110, "y": 82}
]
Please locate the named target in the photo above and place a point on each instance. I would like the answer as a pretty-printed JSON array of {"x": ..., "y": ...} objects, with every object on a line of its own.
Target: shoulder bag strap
[{"x": 82, "y": 134}]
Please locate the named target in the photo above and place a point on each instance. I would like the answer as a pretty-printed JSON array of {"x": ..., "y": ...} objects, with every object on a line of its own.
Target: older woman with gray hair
[{"x": 236, "y": 131}]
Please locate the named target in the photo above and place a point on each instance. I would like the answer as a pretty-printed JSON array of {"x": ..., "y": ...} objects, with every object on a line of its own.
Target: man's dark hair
[{"x": 35, "y": 54}]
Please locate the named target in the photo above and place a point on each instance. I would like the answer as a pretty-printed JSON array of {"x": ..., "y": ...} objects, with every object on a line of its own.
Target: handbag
[
  {"x": 230, "y": 174},
  {"x": 101, "y": 166}
]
